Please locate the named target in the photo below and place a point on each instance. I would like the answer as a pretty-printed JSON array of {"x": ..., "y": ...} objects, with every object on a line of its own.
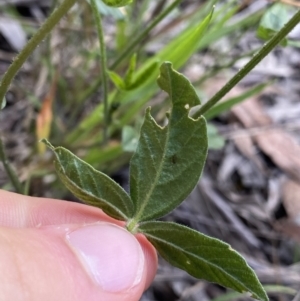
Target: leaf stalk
[
  {"x": 257, "y": 58},
  {"x": 132, "y": 226}
]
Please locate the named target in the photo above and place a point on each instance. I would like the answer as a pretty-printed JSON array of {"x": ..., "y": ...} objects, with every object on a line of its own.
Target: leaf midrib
[{"x": 148, "y": 195}]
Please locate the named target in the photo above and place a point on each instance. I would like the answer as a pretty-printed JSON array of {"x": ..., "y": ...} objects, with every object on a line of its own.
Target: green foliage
[
  {"x": 199, "y": 33},
  {"x": 169, "y": 160},
  {"x": 203, "y": 257},
  {"x": 90, "y": 185},
  {"x": 165, "y": 168},
  {"x": 215, "y": 140},
  {"x": 130, "y": 71},
  {"x": 109, "y": 10},
  {"x": 182, "y": 47},
  {"x": 270, "y": 289},
  {"x": 273, "y": 20},
  {"x": 133, "y": 80},
  {"x": 129, "y": 138},
  {"x": 117, "y": 3},
  {"x": 143, "y": 83}
]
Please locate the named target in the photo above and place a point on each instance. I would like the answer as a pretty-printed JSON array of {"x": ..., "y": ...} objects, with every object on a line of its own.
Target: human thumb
[{"x": 99, "y": 261}]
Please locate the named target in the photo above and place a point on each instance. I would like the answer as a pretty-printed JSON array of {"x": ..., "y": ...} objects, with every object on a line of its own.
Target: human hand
[{"x": 55, "y": 250}]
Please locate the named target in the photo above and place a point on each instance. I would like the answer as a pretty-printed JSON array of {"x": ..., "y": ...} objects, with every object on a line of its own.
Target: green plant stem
[
  {"x": 132, "y": 226},
  {"x": 9, "y": 170},
  {"x": 130, "y": 48},
  {"x": 266, "y": 49},
  {"x": 103, "y": 62},
  {"x": 32, "y": 44}
]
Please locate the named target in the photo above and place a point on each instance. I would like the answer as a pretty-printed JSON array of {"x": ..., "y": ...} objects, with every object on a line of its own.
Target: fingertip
[
  {"x": 19, "y": 211},
  {"x": 101, "y": 261},
  {"x": 111, "y": 255},
  {"x": 35, "y": 227},
  {"x": 151, "y": 260}
]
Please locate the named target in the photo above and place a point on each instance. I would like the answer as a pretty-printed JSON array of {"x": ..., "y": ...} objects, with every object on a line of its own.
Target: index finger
[{"x": 19, "y": 211}]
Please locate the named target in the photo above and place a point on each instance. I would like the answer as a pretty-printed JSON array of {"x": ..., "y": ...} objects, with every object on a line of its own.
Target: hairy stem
[
  {"x": 103, "y": 62},
  {"x": 32, "y": 44},
  {"x": 265, "y": 50}
]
